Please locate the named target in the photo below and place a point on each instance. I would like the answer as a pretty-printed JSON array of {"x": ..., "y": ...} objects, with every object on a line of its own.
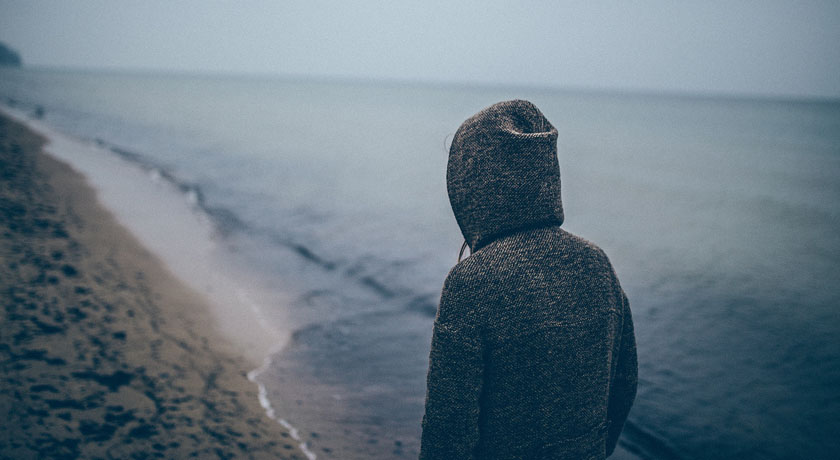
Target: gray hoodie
[{"x": 533, "y": 354}]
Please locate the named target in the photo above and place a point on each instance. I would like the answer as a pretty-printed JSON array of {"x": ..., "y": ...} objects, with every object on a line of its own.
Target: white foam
[{"x": 269, "y": 409}]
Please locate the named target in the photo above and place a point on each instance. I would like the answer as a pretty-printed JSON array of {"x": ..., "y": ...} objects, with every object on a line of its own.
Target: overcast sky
[{"x": 744, "y": 47}]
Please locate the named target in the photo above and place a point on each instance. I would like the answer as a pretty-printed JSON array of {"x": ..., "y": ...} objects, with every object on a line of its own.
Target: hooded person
[{"x": 533, "y": 352}]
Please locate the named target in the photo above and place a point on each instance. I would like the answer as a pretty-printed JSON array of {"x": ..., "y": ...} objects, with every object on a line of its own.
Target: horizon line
[{"x": 391, "y": 81}]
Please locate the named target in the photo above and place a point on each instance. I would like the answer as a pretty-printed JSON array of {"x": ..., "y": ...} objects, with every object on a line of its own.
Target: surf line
[
  {"x": 269, "y": 410},
  {"x": 262, "y": 393}
]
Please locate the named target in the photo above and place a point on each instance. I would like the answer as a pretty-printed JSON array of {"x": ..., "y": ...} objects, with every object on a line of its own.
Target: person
[{"x": 533, "y": 353}]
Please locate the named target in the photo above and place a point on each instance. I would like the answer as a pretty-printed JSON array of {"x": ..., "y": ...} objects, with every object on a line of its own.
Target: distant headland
[{"x": 9, "y": 57}]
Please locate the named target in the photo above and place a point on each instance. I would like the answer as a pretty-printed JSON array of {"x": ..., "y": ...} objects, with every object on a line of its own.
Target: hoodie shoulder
[
  {"x": 583, "y": 248},
  {"x": 464, "y": 276},
  {"x": 595, "y": 261},
  {"x": 461, "y": 293}
]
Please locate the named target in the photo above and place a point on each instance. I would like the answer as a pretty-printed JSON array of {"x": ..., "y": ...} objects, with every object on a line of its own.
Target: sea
[{"x": 324, "y": 205}]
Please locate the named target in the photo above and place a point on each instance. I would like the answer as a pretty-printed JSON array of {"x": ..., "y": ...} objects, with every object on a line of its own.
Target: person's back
[{"x": 533, "y": 354}]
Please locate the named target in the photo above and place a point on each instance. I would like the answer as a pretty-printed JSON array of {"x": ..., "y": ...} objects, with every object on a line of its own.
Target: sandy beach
[{"x": 104, "y": 354}]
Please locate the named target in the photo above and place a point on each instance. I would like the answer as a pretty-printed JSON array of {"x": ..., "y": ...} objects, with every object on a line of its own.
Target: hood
[{"x": 503, "y": 175}]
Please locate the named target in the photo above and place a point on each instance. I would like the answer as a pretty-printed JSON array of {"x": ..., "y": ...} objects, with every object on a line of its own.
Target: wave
[{"x": 227, "y": 222}]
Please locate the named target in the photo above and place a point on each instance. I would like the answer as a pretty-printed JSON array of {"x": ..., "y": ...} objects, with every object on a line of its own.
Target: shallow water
[{"x": 720, "y": 216}]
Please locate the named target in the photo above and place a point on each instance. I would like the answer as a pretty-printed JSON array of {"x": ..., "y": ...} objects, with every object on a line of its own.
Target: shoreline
[
  {"x": 165, "y": 221},
  {"x": 106, "y": 353}
]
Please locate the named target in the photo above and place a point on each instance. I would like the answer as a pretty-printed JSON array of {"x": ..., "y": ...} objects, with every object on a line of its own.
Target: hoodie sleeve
[
  {"x": 623, "y": 386},
  {"x": 450, "y": 424}
]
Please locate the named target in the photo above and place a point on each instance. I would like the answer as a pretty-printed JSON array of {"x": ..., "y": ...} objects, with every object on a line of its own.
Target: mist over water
[{"x": 720, "y": 217}]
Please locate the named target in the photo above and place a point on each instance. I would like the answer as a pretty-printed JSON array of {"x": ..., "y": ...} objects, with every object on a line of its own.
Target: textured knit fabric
[{"x": 533, "y": 354}]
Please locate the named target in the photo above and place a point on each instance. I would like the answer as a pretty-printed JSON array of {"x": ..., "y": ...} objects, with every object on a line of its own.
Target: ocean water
[{"x": 328, "y": 199}]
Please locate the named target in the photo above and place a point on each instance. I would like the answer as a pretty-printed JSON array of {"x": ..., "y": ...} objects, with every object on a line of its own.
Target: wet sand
[{"x": 103, "y": 353}]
